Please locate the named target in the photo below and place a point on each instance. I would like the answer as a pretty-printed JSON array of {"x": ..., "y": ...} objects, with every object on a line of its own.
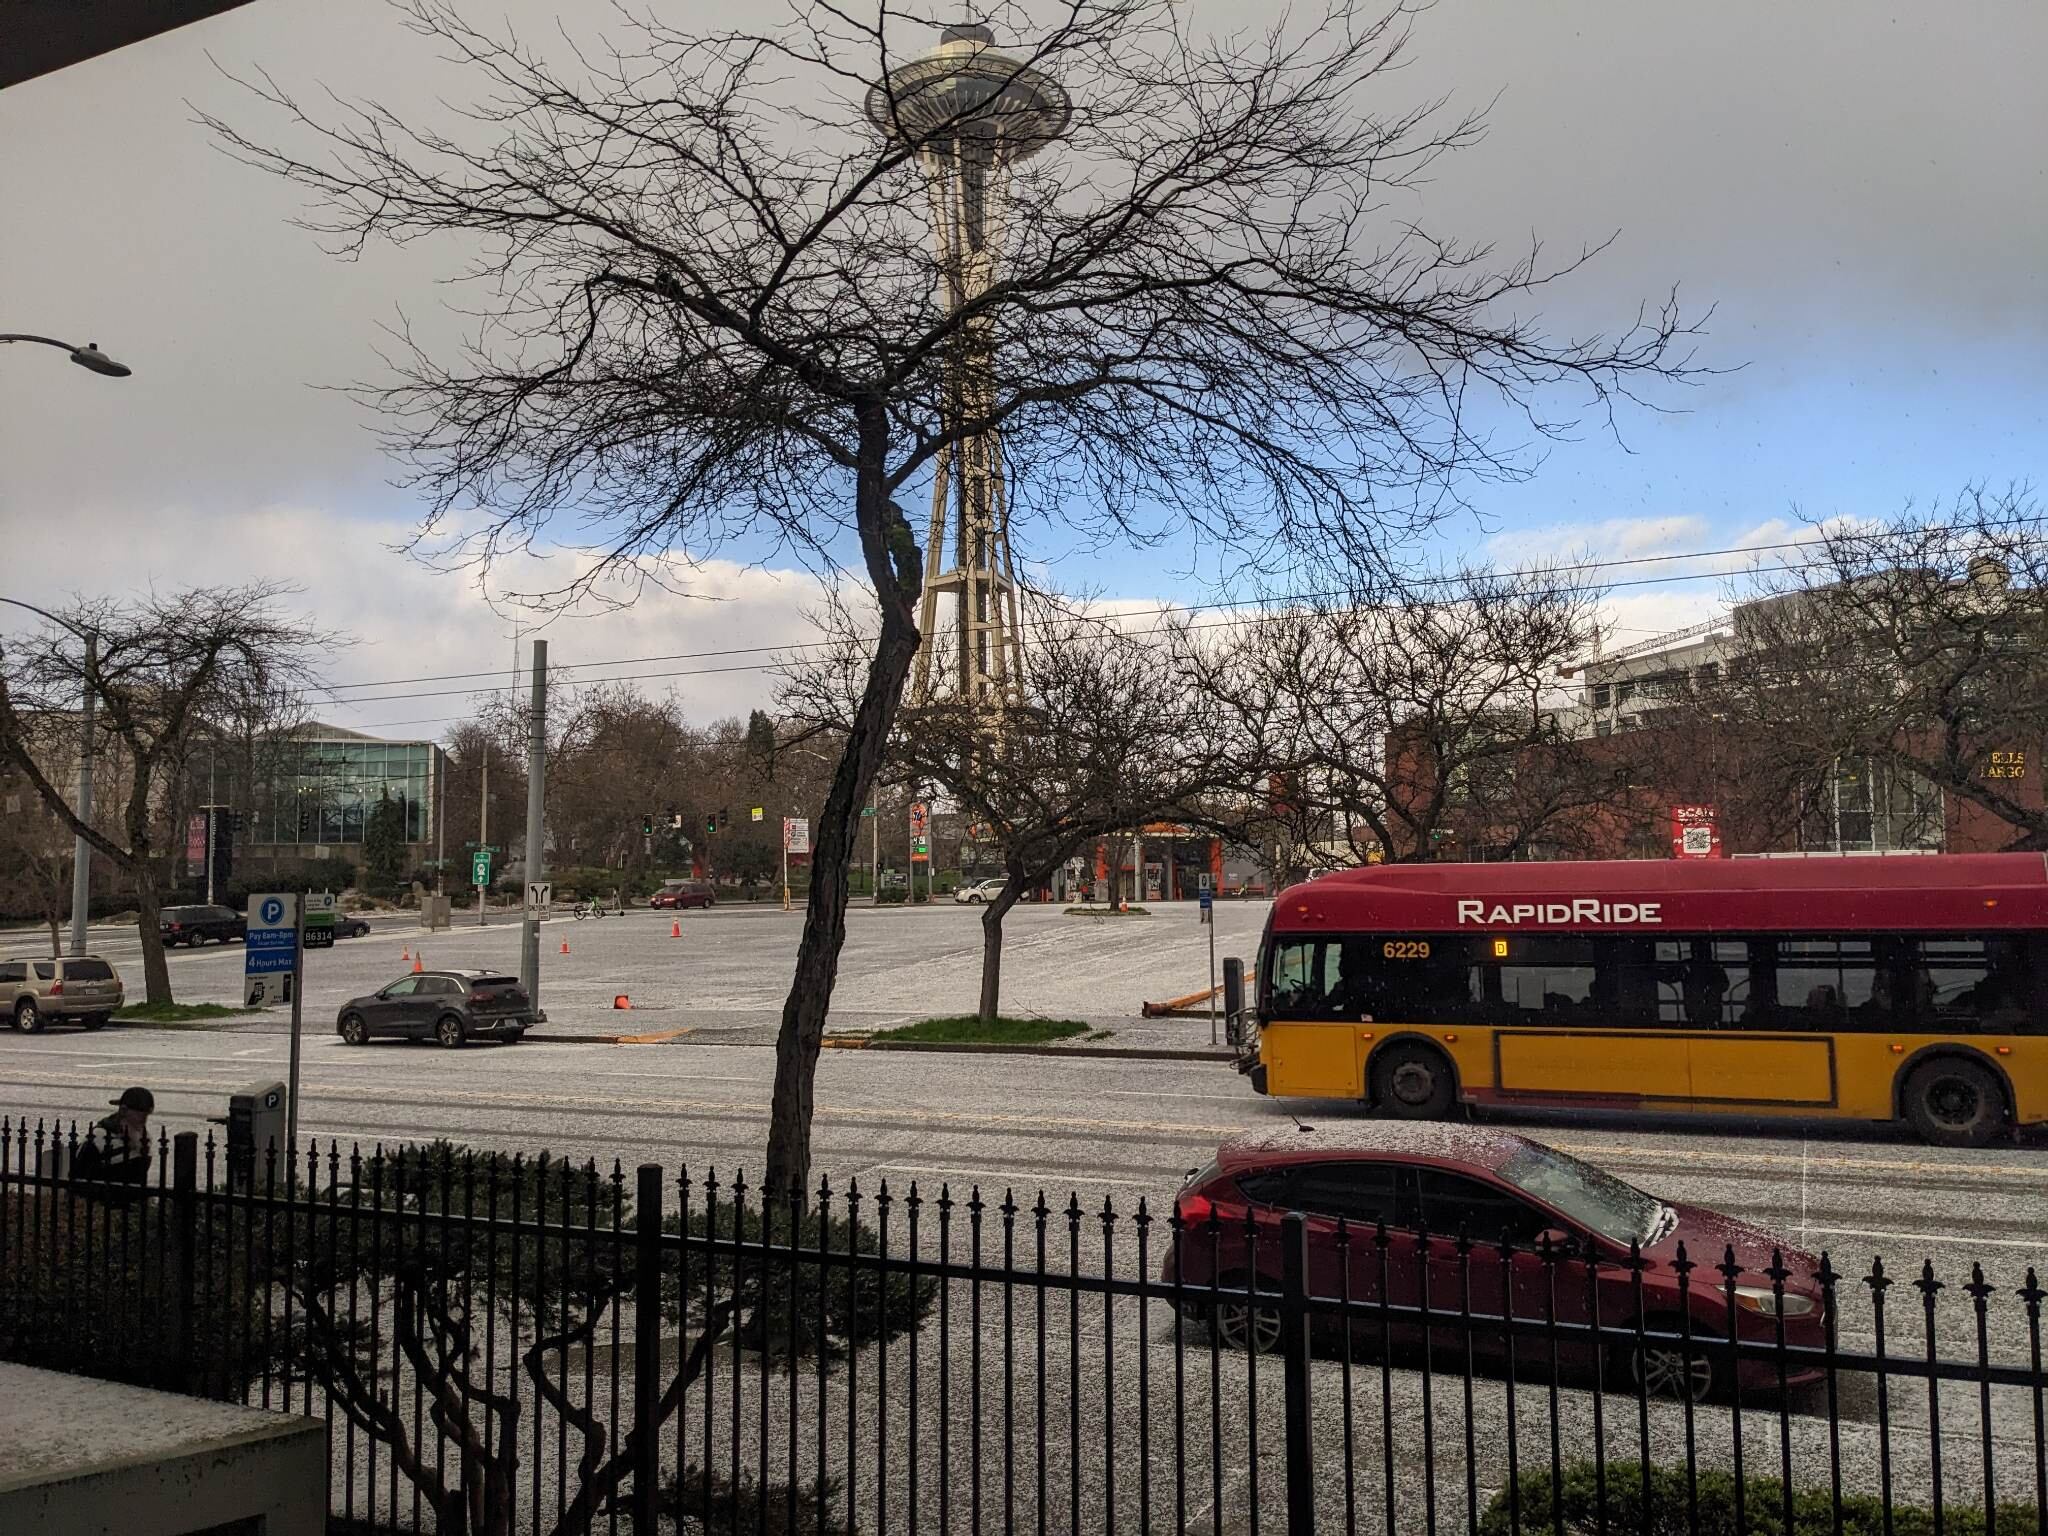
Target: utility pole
[
  {"x": 483, "y": 826},
  {"x": 874, "y": 853},
  {"x": 440, "y": 821},
  {"x": 536, "y": 766},
  {"x": 81, "y": 850}
]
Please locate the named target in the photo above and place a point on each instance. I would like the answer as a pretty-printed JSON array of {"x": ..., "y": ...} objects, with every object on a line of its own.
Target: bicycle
[{"x": 589, "y": 909}]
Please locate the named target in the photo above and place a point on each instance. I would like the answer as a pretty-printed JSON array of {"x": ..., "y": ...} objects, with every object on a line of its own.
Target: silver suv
[{"x": 81, "y": 989}]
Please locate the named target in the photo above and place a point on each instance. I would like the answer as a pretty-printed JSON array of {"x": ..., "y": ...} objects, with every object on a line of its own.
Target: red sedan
[{"x": 1443, "y": 1179}]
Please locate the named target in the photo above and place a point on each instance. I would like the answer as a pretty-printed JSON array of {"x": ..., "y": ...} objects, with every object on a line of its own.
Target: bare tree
[
  {"x": 710, "y": 308},
  {"x": 1394, "y": 721},
  {"x": 1106, "y": 739},
  {"x": 35, "y": 850},
  {"x": 164, "y": 670},
  {"x": 1916, "y": 647}
]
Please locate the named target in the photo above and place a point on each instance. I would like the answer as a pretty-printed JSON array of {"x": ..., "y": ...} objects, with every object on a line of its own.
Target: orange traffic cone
[
  {"x": 622, "y": 1001},
  {"x": 675, "y": 929},
  {"x": 405, "y": 952},
  {"x": 565, "y": 946},
  {"x": 415, "y": 965}
]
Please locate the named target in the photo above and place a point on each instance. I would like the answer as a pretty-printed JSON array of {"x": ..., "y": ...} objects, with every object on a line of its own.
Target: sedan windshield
[{"x": 1599, "y": 1201}]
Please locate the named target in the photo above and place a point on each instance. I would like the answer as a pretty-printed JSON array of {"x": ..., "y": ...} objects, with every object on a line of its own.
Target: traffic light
[
  {"x": 647, "y": 824},
  {"x": 711, "y": 821}
]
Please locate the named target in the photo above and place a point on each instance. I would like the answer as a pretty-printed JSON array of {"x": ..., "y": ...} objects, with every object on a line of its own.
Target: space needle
[{"x": 970, "y": 112}]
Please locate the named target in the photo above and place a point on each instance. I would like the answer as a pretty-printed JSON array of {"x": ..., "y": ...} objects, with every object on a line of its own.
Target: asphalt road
[{"x": 1102, "y": 1129}]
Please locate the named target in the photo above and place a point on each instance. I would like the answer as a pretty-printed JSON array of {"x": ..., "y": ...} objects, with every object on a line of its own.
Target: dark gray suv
[{"x": 448, "y": 1006}]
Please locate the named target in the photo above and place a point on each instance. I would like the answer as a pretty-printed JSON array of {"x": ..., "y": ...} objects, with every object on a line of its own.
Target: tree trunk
[
  {"x": 56, "y": 940},
  {"x": 895, "y": 565},
  {"x": 992, "y": 947},
  {"x": 149, "y": 903}
]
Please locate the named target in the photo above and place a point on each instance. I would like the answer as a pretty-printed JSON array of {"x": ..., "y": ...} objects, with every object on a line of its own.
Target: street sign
[
  {"x": 540, "y": 896},
  {"x": 755, "y": 813},
  {"x": 320, "y": 920},
  {"x": 272, "y": 945},
  {"x": 796, "y": 834},
  {"x": 262, "y": 991},
  {"x": 480, "y": 867},
  {"x": 918, "y": 814},
  {"x": 919, "y": 847}
]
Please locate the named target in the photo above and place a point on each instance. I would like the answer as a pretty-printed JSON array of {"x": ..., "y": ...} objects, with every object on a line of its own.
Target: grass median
[
  {"x": 967, "y": 1029},
  {"x": 178, "y": 1013}
]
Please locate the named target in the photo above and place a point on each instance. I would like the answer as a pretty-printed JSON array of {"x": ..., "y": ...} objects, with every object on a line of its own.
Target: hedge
[{"x": 1763, "y": 1514}]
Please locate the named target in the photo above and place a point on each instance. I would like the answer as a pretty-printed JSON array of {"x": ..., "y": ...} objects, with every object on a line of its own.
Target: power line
[
  {"x": 784, "y": 651},
  {"x": 1570, "y": 568}
]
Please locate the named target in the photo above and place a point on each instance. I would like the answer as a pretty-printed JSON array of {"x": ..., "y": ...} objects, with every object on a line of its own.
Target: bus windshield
[{"x": 1619, "y": 1212}]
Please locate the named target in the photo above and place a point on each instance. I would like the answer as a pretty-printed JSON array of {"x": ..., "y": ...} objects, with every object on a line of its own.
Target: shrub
[
  {"x": 783, "y": 1311},
  {"x": 83, "y": 1291},
  {"x": 727, "y": 1505},
  {"x": 1666, "y": 1514}
]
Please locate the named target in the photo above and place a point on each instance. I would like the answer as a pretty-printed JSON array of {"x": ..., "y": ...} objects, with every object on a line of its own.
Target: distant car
[
  {"x": 978, "y": 891},
  {"x": 448, "y": 1006},
  {"x": 350, "y": 927},
  {"x": 679, "y": 894},
  {"x": 78, "y": 989},
  {"x": 200, "y": 925},
  {"x": 1493, "y": 1186}
]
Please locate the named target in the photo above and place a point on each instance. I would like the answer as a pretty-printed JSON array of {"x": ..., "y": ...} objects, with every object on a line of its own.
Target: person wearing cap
[{"x": 117, "y": 1149}]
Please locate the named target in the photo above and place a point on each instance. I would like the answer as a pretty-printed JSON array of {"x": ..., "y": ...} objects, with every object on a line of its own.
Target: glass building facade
[{"x": 327, "y": 792}]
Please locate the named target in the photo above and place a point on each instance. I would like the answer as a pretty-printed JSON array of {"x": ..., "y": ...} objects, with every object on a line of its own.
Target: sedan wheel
[
  {"x": 354, "y": 1031},
  {"x": 449, "y": 1031},
  {"x": 1239, "y": 1327},
  {"x": 1662, "y": 1370}
]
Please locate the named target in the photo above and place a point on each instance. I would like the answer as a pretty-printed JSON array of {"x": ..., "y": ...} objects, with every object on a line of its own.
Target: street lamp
[
  {"x": 81, "y": 850},
  {"x": 87, "y": 356}
]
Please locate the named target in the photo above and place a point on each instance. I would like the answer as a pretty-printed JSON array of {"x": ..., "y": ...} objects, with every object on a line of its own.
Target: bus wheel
[
  {"x": 1412, "y": 1082},
  {"x": 1952, "y": 1102}
]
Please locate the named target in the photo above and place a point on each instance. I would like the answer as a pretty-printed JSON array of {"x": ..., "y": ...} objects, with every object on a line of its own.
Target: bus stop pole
[
  {"x": 291, "y": 1103},
  {"x": 1209, "y": 917}
]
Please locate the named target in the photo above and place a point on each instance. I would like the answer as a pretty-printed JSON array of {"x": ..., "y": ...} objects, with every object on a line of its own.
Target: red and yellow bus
[{"x": 1909, "y": 988}]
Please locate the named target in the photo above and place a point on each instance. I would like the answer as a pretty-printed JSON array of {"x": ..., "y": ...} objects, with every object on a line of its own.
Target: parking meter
[
  {"x": 1233, "y": 1000},
  {"x": 255, "y": 1124}
]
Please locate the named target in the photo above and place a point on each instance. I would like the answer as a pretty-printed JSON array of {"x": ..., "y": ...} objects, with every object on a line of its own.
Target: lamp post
[
  {"x": 81, "y": 850},
  {"x": 87, "y": 356}
]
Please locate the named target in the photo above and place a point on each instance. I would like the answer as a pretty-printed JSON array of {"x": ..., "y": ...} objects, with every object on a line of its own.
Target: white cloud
[
  {"x": 1617, "y": 538},
  {"x": 408, "y": 621}
]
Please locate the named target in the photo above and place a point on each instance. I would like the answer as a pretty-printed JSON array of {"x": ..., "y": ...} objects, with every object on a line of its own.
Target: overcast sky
[{"x": 1857, "y": 189}]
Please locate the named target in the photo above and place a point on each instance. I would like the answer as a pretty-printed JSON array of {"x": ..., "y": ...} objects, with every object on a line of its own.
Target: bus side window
[
  {"x": 1968, "y": 983},
  {"x": 1835, "y": 984},
  {"x": 1304, "y": 971},
  {"x": 1702, "y": 983}
]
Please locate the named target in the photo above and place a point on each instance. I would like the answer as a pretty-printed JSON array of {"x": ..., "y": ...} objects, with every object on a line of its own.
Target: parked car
[
  {"x": 1429, "y": 1184},
  {"x": 201, "y": 925},
  {"x": 448, "y": 1006},
  {"x": 975, "y": 892},
  {"x": 679, "y": 894},
  {"x": 78, "y": 989}
]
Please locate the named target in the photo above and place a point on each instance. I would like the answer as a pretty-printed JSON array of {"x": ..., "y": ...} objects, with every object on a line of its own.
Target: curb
[{"x": 967, "y": 1048}]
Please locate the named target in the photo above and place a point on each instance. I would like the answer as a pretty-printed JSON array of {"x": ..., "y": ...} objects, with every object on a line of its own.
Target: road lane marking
[
  {"x": 1722, "y": 1160},
  {"x": 1932, "y": 1237},
  {"x": 1135, "y": 1093},
  {"x": 985, "y": 1175}
]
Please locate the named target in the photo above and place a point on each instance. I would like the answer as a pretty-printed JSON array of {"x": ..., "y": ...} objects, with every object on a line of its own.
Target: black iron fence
[{"x": 502, "y": 1344}]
